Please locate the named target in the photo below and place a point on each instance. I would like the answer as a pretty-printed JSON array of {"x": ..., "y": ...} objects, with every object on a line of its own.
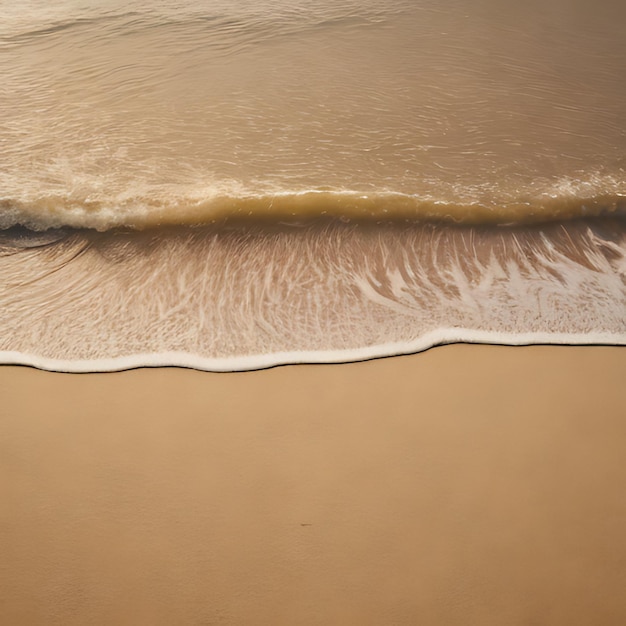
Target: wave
[
  {"x": 249, "y": 296},
  {"x": 142, "y": 213},
  {"x": 237, "y": 23}
]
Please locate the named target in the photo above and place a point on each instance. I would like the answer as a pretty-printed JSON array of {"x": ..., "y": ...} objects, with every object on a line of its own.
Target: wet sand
[{"x": 465, "y": 485}]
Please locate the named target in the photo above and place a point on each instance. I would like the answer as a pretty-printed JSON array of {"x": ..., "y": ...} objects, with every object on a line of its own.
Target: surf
[
  {"x": 157, "y": 211},
  {"x": 254, "y": 295},
  {"x": 232, "y": 184}
]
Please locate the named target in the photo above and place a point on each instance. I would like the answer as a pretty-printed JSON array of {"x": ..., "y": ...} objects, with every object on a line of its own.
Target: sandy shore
[{"x": 466, "y": 485}]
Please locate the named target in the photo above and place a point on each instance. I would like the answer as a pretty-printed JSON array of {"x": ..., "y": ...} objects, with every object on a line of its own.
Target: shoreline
[{"x": 248, "y": 363}]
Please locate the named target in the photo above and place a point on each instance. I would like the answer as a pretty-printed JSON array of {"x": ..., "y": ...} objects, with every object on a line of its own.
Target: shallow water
[
  {"x": 252, "y": 295},
  {"x": 178, "y": 112},
  {"x": 338, "y": 179}
]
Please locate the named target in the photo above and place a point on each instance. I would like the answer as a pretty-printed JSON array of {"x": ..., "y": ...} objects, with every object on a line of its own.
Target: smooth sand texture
[{"x": 466, "y": 485}]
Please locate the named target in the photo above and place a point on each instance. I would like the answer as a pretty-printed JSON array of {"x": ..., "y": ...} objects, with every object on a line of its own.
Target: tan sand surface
[{"x": 466, "y": 485}]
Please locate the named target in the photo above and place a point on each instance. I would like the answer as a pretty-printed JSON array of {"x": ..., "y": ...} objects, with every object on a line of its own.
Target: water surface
[{"x": 459, "y": 164}]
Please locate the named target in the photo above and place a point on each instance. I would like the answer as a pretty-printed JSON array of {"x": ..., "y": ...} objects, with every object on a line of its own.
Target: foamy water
[{"x": 237, "y": 184}]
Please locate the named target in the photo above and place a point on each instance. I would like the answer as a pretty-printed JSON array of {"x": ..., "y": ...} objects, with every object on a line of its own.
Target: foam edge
[{"x": 253, "y": 362}]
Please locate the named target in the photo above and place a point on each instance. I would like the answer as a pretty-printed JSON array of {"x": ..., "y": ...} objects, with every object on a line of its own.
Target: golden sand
[{"x": 466, "y": 485}]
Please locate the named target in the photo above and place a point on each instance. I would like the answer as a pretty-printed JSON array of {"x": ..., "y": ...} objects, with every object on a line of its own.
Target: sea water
[{"x": 236, "y": 184}]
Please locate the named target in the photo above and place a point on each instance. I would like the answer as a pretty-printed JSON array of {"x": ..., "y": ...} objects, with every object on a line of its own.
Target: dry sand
[{"x": 466, "y": 485}]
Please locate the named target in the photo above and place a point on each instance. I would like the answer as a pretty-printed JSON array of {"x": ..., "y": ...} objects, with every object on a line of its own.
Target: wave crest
[{"x": 149, "y": 212}]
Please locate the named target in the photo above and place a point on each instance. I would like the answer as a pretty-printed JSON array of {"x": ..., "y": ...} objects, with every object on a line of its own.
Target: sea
[{"x": 229, "y": 185}]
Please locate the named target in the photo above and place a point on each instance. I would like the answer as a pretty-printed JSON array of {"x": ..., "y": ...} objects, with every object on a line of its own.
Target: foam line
[{"x": 263, "y": 361}]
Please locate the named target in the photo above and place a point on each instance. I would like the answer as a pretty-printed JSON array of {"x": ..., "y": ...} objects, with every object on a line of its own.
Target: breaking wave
[{"x": 149, "y": 212}]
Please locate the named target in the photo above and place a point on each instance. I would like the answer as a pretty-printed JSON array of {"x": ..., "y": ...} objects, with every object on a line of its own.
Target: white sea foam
[{"x": 440, "y": 337}]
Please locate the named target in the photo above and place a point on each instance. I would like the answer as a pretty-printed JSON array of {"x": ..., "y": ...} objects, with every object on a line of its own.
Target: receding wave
[
  {"x": 250, "y": 295},
  {"x": 149, "y": 212}
]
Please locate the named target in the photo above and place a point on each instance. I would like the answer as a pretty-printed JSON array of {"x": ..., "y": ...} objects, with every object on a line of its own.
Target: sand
[{"x": 465, "y": 485}]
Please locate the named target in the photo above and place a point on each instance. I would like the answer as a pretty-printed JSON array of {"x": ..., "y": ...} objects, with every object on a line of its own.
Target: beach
[
  {"x": 468, "y": 484},
  {"x": 258, "y": 250}
]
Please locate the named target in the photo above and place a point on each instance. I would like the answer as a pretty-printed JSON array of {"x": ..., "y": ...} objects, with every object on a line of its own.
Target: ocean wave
[
  {"x": 35, "y": 23},
  {"x": 144, "y": 212},
  {"x": 248, "y": 296}
]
